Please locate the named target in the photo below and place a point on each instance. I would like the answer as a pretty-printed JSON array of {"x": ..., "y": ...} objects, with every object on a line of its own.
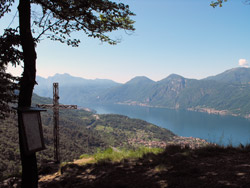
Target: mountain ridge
[
  {"x": 239, "y": 75},
  {"x": 73, "y": 90},
  {"x": 225, "y": 93},
  {"x": 234, "y": 71}
]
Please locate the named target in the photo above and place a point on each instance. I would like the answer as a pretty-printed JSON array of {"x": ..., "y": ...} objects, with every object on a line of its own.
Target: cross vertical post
[
  {"x": 56, "y": 106},
  {"x": 56, "y": 122}
]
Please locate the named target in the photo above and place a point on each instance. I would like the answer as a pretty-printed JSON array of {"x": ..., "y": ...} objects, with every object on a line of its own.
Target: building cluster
[
  {"x": 190, "y": 142},
  {"x": 147, "y": 143}
]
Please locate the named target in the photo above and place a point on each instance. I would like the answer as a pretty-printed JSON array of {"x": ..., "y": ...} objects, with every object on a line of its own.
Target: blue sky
[{"x": 186, "y": 37}]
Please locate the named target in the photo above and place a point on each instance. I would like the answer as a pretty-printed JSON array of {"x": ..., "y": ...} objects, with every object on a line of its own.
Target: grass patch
[
  {"x": 117, "y": 155},
  {"x": 104, "y": 128},
  {"x": 83, "y": 156}
]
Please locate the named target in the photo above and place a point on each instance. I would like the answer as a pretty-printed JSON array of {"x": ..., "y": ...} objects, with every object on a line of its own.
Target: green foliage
[
  {"x": 117, "y": 155},
  {"x": 93, "y": 17},
  {"x": 9, "y": 152},
  {"x": 9, "y": 41},
  {"x": 79, "y": 134},
  {"x": 41, "y": 100},
  {"x": 118, "y": 130},
  {"x": 8, "y": 96},
  {"x": 57, "y": 19},
  {"x": 9, "y": 44}
]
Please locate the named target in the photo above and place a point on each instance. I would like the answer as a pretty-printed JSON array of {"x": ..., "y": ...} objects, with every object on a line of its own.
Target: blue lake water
[{"x": 223, "y": 130}]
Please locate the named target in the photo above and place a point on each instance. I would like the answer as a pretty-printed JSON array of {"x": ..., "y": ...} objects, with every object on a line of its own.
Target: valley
[
  {"x": 81, "y": 132},
  {"x": 85, "y": 132}
]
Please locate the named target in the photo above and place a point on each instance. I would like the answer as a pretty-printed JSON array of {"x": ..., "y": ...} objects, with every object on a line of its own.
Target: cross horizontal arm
[
  {"x": 45, "y": 105},
  {"x": 61, "y": 106}
]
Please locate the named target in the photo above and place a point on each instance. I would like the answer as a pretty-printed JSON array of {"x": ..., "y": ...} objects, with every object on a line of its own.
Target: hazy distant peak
[
  {"x": 68, "y": 80},
  {"x": 172, "y": 77},
  {"x": 105, "y": 81},
  {"x": 139, "y": 80},
  {"x": 64, "y": 74}
]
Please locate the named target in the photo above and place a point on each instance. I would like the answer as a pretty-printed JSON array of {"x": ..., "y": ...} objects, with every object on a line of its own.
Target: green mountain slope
[
  {"x": 178, "y": 92},
  {"x": 81, "y": 132},
  {"x": 136, "y": 89},
  {"x": 240, "y": 75}
]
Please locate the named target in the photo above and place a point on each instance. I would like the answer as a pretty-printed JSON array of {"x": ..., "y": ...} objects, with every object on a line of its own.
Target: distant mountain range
[
  {"x": 73, "y": 90},
  {"x": 225, "y": 93}
]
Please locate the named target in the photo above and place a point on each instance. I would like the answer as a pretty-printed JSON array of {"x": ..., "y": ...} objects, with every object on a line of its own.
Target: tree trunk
[{"x": 29, "y": 162}]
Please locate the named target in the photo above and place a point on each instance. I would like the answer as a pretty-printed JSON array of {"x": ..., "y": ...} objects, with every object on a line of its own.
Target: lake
[{"x": 223, "y": 130}]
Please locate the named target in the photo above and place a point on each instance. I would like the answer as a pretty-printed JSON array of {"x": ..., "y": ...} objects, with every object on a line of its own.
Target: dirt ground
[
  {"x": 209, "y": 167},
  {"x": 176, "y": 167}
]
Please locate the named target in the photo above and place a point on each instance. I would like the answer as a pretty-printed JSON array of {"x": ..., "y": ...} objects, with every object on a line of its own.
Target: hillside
[
  {"x": 136, "y": 89},
  {"x": 181, "y": 93},
  {"x": 81, "y": 132},
  {"x": 238, "y": 75}
]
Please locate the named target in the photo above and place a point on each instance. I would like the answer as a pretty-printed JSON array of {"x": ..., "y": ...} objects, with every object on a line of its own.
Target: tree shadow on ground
[{"x": 175, "y": 167}]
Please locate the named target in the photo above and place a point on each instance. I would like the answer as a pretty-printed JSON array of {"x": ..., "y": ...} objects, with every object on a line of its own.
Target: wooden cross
[{"x": 55, "y": 106}]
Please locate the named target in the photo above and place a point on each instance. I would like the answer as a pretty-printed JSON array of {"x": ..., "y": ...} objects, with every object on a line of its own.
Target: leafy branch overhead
[
  {"x": 60, "y": 18},
  {"x": 5, "y": 6},
  {"x": 220, "y": 3}
]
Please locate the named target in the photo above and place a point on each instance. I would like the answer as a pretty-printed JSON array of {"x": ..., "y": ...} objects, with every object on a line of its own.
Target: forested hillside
[
  {"x": 240, "y": 75},
  {"x": 81, "y": 132},
  {"x": 226, "y": 93}
]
